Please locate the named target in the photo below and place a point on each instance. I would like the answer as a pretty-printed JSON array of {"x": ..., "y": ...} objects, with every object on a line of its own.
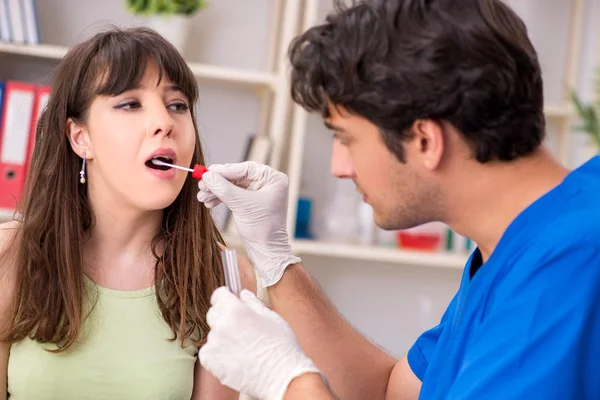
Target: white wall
[{"x": 390, "y": 303}]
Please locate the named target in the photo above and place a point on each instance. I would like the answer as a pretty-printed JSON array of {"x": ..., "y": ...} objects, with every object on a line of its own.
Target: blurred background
[{"x": 390, "y": 285}]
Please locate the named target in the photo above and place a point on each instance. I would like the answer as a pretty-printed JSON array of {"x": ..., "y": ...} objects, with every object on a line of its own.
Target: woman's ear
[{"x": 79, "y": 139}]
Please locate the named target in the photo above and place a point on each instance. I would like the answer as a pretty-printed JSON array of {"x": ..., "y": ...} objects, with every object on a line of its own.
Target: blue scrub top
[{"x": 526, "y": 325}]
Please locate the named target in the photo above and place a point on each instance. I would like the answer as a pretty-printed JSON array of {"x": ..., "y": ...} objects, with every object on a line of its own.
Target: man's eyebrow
[{"x": 333, "y": 127}]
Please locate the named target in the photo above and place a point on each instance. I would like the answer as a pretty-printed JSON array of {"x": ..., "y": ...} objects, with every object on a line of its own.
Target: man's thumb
[{"x": 219, "y": 186}]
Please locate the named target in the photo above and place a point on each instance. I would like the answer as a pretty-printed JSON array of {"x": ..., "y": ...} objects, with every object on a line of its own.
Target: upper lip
[{"x": 164, "y": 152}]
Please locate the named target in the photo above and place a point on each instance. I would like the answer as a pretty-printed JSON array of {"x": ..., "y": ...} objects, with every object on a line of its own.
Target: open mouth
[{"x": 166, "y": 159}]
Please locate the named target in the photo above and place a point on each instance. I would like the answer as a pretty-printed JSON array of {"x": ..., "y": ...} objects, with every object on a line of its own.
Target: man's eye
[{"x": 341, "y": 140}]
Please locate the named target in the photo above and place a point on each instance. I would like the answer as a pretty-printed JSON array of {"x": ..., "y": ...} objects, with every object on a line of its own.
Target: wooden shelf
[{"x": 201, "y": 71}]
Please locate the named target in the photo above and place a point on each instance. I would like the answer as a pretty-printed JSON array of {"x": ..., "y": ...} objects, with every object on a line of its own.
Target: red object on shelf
[{"x": 419, "y": 240}]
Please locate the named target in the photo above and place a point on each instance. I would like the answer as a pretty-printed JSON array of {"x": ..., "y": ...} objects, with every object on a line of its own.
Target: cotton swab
[{"x": 197, "y": 172}]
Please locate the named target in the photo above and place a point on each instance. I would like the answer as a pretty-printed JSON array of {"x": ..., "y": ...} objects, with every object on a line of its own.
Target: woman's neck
[{"x": 118, "y": 252}]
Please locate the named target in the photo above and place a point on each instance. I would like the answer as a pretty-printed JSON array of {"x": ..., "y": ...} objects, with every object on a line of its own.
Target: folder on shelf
[
  {"x": 17, "y": 23},
  {"x": 42, "y": 95},
  {"x": 5, "y": 29},
  {"x": 2, "y": 92},
  {"x": 29, "y": 16},
  {"x": 17, "y": 112}
]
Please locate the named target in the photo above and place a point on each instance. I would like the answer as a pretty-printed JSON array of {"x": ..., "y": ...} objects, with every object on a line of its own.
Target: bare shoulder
[
  {"x": 7, "y": 261},
  {"x": 7, "y": 234},
  {"x": 7, "y": 230},
  {"x": 7, "y": 283},
  {"x": 247, "y": 274}
]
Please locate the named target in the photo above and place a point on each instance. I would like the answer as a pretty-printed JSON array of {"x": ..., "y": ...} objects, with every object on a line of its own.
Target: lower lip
[{"x": 163, "y": 174}]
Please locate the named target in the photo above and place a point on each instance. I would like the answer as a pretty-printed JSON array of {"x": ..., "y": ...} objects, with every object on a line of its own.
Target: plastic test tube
[{"x": 231, "y": 270}]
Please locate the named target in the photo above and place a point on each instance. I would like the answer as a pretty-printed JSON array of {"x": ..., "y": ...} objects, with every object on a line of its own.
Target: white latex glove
[
  {"x": 257, "y": 196},
  {"x": 250, "y": 348}
]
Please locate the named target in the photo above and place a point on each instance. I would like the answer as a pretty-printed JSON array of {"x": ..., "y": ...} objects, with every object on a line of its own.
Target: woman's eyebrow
[{"x": 173, "y": 88}]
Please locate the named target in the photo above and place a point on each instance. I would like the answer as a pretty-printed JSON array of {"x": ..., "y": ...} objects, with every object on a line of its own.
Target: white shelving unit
[
  {"x": 379, "y": 254},
  {"x": 341, "y": 251},
  {"x": 258, "y": 80}
]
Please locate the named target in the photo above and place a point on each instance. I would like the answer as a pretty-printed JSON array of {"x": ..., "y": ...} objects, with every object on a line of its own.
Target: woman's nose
[{"x": 160, "y": 121}]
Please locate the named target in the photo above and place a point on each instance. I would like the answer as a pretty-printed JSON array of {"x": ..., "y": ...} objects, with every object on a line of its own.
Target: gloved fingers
[
  {"x": 212, "y": 358},
  {"x": 212, "y": 317},
  {"x": 249, "y": 298},
  {"x": 202, "y": 186},
  {"x": 204, "y": 197},
  {"x": 236, "y": 171},
  {"x": 223, "y": 302},
  {"x": 220, "y": 187},
  {"x": 255, "y": 303},
  {"x": 208, "y": 355},
  {"x": 222, "y": 295},
  {"x": 235, "y": 175},
  {"x": 212, "y": 203}
]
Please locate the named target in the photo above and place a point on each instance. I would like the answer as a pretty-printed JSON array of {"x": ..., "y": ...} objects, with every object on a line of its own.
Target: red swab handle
[{"x": 199, "y": 170}]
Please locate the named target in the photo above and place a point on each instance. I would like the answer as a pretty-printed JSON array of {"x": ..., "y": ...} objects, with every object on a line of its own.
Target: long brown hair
[{"x": 56, "y": 218}]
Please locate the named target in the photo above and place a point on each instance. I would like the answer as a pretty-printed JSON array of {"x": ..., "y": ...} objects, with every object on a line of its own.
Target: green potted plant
[
  {"x": 171, "y": 18},
  {"x": 589, "y": 113}
]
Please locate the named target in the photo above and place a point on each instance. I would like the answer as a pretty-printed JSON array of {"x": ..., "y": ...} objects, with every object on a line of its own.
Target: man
[{"x": 437, "y": 112}]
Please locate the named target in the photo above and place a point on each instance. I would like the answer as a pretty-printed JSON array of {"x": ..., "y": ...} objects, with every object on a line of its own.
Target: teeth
[{"x": 157, "y": 162}]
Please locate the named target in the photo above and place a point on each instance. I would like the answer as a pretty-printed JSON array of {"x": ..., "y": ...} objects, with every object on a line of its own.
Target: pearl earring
[{"x": 82, "y": 172}]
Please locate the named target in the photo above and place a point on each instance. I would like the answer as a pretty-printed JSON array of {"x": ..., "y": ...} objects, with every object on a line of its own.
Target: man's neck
[{"x": 494, "y": 194}]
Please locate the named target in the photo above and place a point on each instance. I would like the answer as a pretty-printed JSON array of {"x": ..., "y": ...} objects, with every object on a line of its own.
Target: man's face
[{"x": 399, "y": 196}]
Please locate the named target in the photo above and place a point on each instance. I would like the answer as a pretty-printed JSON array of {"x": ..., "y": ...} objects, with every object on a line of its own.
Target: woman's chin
[{"x": 158, "y": 202}]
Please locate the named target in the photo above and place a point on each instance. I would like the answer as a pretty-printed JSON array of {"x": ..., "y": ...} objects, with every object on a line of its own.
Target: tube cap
[{"x": 199, "y": 170}]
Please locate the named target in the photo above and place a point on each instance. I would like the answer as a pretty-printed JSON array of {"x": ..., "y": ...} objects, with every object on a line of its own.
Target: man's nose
[{"x": 341, "y": 165}]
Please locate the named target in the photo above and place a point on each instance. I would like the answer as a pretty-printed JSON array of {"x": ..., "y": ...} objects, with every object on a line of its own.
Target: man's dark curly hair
[{"x": 467, "y": 62}]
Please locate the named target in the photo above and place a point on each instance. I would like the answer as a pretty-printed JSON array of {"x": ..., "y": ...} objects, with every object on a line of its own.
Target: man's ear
[
  {"x": 79, "y": 139},
  {"x": 429, "y": 141}
]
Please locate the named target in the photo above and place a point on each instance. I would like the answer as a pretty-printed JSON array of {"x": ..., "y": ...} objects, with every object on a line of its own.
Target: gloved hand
[
  {"x": 257, "y": 196},
  {"x": 250, "y": 348}
]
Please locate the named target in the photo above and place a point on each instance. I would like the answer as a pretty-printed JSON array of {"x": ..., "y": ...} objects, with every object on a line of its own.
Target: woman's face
[{"x": 125, "y": 132}]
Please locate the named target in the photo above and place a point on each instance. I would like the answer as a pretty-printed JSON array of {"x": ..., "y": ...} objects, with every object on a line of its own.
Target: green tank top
[{"x": 124, "y": 352}]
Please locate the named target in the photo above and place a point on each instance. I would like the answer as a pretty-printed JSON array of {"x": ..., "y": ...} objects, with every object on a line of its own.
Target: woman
[{"x": 106, "y": 278}]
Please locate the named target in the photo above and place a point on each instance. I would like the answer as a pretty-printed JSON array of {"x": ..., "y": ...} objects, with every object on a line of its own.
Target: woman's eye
[
  {"x": 131, "y": 105},
  {"x": 179, "y": 107}
]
